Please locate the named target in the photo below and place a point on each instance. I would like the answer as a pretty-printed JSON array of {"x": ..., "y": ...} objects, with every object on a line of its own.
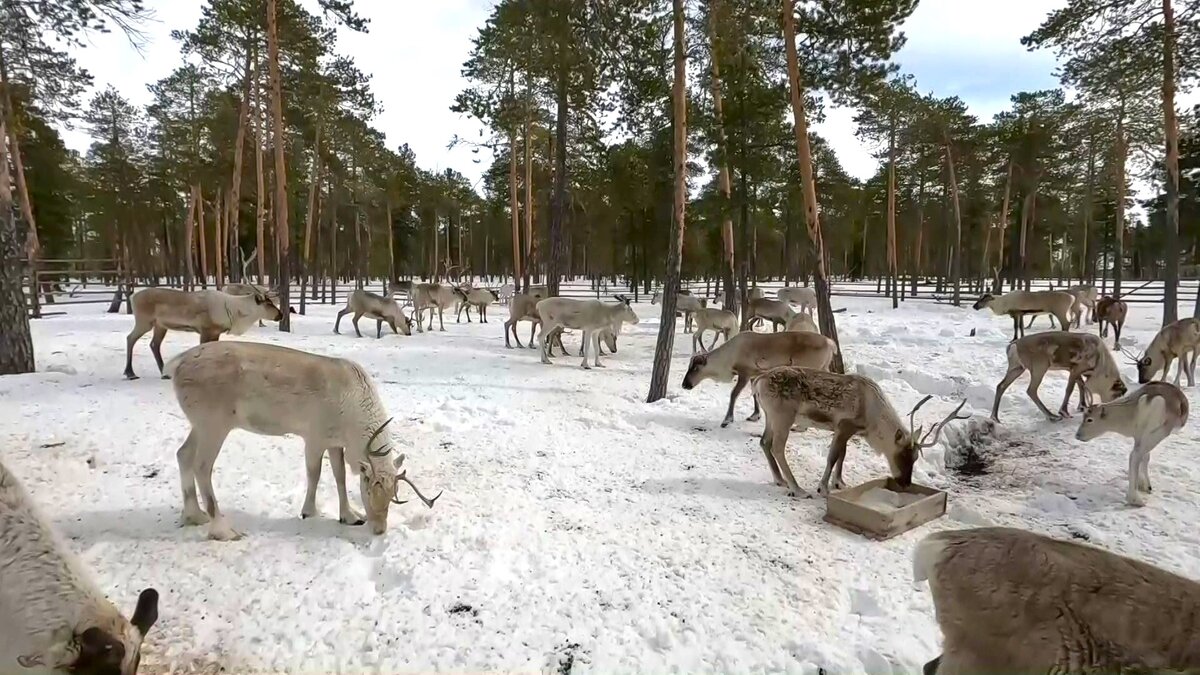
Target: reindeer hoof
[
  {"x": 725, "y": 423},
  {"x": 221, "y": 531},
  {"x": 823, "y": 490},
  {"x": 753, "y": 418},
  {"x": 799, "y": 494},
  {"x": 130, "y": 376},
  {"x": 196, "y": 518},
  {"x": 354, "y": 520}
]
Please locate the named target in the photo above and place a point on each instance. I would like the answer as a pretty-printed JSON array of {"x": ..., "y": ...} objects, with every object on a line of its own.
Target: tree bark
[
  {"x": 311, "y": 216},
  {"x": 1119, "y": 225},
  {"x": 260, "y": 213},
  {"x": 528, "y": 189},
  {"x": 1171, "y": 127},
  {"x": 9, "y": 118},
  {"x": 202, "y": 232},
  {"x": 189, "y": 239},
  {"x": 666, "y": 327},
  {"x": 282, "y": 230},
  {"x": 554, "y": 263},
  {"x": 1086, "y": 274},
  {"x": 233, "y": 217},
  {"x": 808, "y": 183},
  {"x": 956, "y": 271},
  {"x": 723, "y": 181},
  {"x": 513, "y": 207},
  {"x": 16, "y": 345},
  {"x": 891, "y": 213}
]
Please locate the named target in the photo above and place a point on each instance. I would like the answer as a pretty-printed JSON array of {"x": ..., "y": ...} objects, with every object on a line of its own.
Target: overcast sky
[{"x": 414, "y": 52}]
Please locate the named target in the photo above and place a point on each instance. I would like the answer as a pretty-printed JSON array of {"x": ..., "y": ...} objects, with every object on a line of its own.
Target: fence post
[{"x": 34, "y": 287}]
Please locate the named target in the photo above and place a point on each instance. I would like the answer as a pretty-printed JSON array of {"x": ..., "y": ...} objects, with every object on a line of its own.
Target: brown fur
[
  {"x": 1017, "y": 304},
  {"x": 1010, "y": 601},
  {"x": 1082, "y": 355},
  {"x": 1175, "y": 340},
  {"x": 1111, "y": 312},
  {"x": 362, "y": 302},
  {"x": 749, "y": 354},
  {"x": 777, "y": 312}
]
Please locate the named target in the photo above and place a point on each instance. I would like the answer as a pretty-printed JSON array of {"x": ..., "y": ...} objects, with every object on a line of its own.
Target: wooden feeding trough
[{"x": 881, "y": 509}]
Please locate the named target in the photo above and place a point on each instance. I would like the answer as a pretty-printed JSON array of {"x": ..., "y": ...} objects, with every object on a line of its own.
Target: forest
[{"x": 259, "y": 152}]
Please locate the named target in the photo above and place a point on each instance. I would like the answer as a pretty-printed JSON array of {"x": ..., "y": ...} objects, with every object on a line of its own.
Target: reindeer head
[
  {"x": 114, "y": 649},
  {"x": 1147, "y": 364},
  {"x": 910, "y": 444},
  {"x": 984, "y": 301},
  {"x": 378, "y": 484},
  {"x": 626, "y": 315},
  {"x": 699, "y": 370},
  {"x": 1094, "y": 423},
  {"x": 397, "y": 318},
  {"x": 266, "y": 306}
]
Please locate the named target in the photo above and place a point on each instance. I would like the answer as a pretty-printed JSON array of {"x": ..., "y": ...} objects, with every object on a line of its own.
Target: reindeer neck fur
[
  {"x": 880, "y": 417},
  {"x": 45, "y": 595},
  {"x": 361, "y": 401},
  {"x": 239, "y": 310}
]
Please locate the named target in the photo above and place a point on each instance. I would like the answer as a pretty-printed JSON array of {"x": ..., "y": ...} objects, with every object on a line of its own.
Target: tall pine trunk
[
  {"x": 1171, "y": 127},
  {"x": 1002, "y": 242},
  {"x": 1119, "y": 225},
  {"x": 16, "y": 345},
  {"x": 233, "y": 217},
  {"x": 202, "y": 232},
  {"x": 666, "y": 327},
  {"x": 260, "y": 207},
  {"x": 558, "y": 212},
  {"x": 9, "y": 118},
  {"x": 189, "y": 239},
  {"x": 723, "y": 181},
  {"x": 513, "y": 208},
  {"x": 956, "y": 270},
  {"x": 528, "y": 189},
  {"x": 891, "y": 213},
  {"x": 808, "y": 183},
  {"x": 282, "y": 230}
]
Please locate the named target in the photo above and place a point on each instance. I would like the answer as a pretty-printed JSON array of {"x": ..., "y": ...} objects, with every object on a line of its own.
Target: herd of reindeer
[{"x": 1006, "y": 600}]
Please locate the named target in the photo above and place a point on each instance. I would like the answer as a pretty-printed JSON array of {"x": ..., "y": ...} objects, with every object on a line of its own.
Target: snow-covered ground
[{"x": 581, "y": 529}]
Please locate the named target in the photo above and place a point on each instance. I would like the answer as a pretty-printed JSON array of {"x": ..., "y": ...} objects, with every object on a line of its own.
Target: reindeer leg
[
  {"x": 586, "y": 336},
  {"x": 139, "y": 329},
  {"x": 346, "y": 513},
  {"x": 1191, "y": 368},
  {"x": 844, "y": 436},
  {"x": 354, "y": 320},
  {"x": 754, "y": 416},
  {"x": 779, "y": 454},
  {"x": 837, "y": 452},
  {"x": 1035, "y": 381},
  {"x": 596, "y": 349},
  {"x": 186, "y": 457},
  {"x": 511, "y": 326},
  {"x": 765, "y": 443},
  {"x": 156, "y": 348},
  {"x": 1009, "y": 377},
  {"x": 696, "y": 336},
  {"x": 532, "y": 328},
  {"x": 742, "y": 381},
  {"x": 313, "y": 456},
  {"x": 1135, "y": 461},
  {"x": 1072, "y": 381},
  {"x": 337, "y": 324},
  {"x": 441, "y": 324},
  {"x": 208, "y": 446}
]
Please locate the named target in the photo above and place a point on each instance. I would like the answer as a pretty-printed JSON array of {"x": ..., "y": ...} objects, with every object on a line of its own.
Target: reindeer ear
[
  {"x": 365, "y": 469},
  {"x": 899, "y": 436},
  {"x": 146, "y": 612}
]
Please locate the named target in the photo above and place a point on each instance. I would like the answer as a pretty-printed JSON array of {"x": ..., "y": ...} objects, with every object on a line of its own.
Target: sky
[{"x": 415, "y": 50}]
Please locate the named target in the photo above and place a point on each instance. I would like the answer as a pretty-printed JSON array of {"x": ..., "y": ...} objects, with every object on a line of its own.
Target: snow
[
  {"x": 881, "y": 499},
  {"x": 581, "y": 529}
]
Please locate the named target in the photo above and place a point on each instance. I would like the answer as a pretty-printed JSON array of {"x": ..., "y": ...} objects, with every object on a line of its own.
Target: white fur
[
  {"x": 805, "y": 296},
  {"x": 590, "y": 316},
  {"x": 331, "y": 403},
  {"x": 46, "y": 597},
  {"x": 431, "y": 297}
]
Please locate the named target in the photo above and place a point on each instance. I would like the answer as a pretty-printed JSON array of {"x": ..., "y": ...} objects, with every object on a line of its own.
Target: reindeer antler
[
  {"x": 1133, "y": 358},
  {"x": 936, "y": 430},
  {"x": 403, "y": 476},
  {"x": 912, "y": 413},
  {"x": 383, "y": 449}
]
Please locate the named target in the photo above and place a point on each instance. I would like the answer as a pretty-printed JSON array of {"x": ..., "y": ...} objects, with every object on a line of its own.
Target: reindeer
[
  {"x": 848, "y": 405},
  {"x": 362, "y": 302},
  {"x": 522, "y": 308},
  {"x": 802, "y": 322},
  {"x": 1173, "y": 341},
  {"x": 53, "y": 617},
  {"x": 748, "y": 355},
  {"x": 1111, "y": 312},
  {"x": 778, "y": 312},
  {"x": 331, "y": 403},
  {"x": 1085, "y": 297},
  {"x": 722, "y": 322},
  {"x": 209, "y": 313},
  {"x": 1084, "y": 356},
  {"x": 685, "y": 303},
  {"x": 1147, "y": 415},
  {"x": 805, "y": 296},
  {"x": 1020, "y": 303},
  {"x": 431, "y": 297},
  {"x": 590, "y": 316},
  {"x": 1010, "y": 601},
  {"x": 479, "y": 298}
]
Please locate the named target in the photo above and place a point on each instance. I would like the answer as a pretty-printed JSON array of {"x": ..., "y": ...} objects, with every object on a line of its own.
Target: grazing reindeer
[
  {"x": 748, "y": 355},
  {"x": 53, "y": 617},
  {"x": 362, "y": 302},
  {"x": 847, "y": 405},
  {"x": 209, "y": 313},
  {"x": 330, "y": 403},
  {"x": 686, "y": 304},
  {"x": 778, "y": 312},
  {"x": 722, "y": 322},
  {"x": 522, "y": 308},
  {"x": 1084, "y": 356},
  {"x": 589, "y": 316},
  {"x": 1020, "y": 303},
  {"x": 1175, "y": 340},
  {"x": 1085, "y": 297},
  {"x": 1147, "y": 415},
  {"x": 805, "y": 296},
  {"x": 479, "y": 298},
  {"x": 431, "y": 297},
  {"x": 1010, "y": 601},
  {"x": 1111, "y": 312}
]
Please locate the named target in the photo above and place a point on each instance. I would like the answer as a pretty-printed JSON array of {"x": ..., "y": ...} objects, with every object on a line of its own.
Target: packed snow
[{"x": 581, "y": 529}]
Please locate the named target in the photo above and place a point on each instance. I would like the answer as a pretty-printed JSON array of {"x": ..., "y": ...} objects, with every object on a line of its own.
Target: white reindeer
[
  {"x": 1147, "y": 415},
  {"x": 209, "y": 313},
  {"x": 53, "y": 618},
  {"x": 331, "y": 403},
  {"x": 589, "y": 316}
]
